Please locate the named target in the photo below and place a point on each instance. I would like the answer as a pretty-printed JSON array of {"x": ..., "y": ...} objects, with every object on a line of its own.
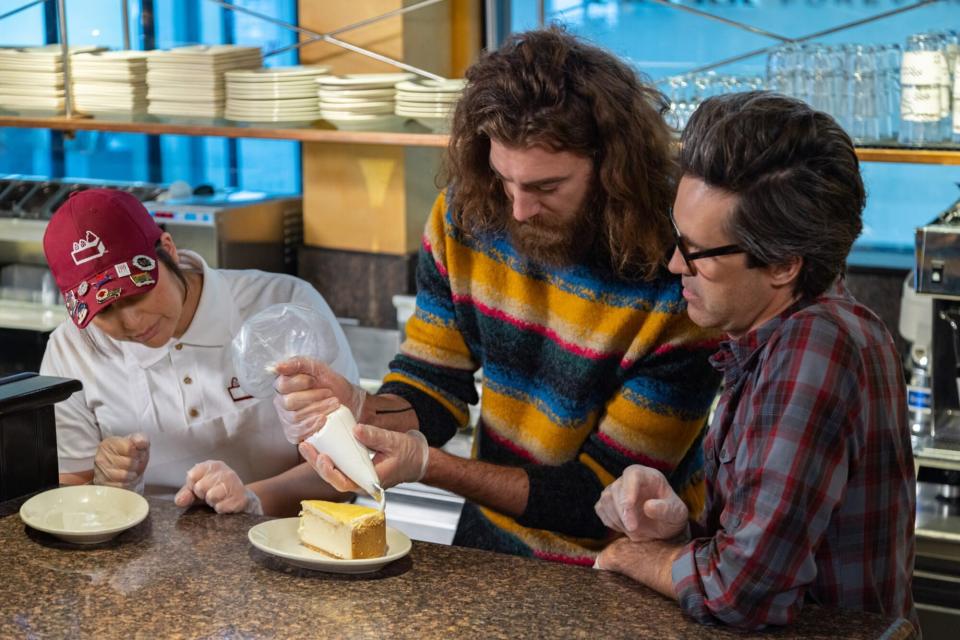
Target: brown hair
[
  {"x": 167, "y": 260},
  {"x": 796, "y": 176},
  {"x": 546, "y": 88}
]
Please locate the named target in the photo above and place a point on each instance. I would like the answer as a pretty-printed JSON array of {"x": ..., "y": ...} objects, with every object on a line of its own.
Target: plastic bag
[{"x": 277, "y": 333}]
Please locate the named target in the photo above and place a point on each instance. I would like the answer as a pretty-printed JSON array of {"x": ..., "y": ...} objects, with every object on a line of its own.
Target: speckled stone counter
[{"x": 193, "y": 574}]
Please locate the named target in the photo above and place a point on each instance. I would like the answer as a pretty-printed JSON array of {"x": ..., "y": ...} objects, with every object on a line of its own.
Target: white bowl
[{"x": 84, "y": 514}]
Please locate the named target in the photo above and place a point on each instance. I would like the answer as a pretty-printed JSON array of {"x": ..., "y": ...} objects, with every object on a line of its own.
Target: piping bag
[{"x": 335, "y": 438}]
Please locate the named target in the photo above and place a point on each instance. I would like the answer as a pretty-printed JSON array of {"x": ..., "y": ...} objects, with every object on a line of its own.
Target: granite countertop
[{"x": 194, "y": 574}]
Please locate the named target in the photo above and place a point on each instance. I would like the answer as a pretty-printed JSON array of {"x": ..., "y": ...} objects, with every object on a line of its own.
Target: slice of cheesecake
[{"x": 342, "y": 530}]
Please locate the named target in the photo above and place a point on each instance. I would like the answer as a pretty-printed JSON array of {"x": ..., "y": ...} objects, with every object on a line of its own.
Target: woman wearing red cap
[{"x": 148, "y": 337}]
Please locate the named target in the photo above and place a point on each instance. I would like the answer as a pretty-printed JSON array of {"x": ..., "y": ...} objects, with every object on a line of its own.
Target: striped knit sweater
[{"x": 583, "y": 375}]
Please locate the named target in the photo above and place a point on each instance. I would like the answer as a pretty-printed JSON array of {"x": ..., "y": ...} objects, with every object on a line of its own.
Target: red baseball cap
[{"x": 101, "y": 246}]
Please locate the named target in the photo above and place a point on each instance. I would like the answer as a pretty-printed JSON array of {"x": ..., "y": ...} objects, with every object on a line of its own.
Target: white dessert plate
[
  {"x": 279, "y": 538},
  {"x": 271, "y": 74},
  {"x": 363, "y": 80},
  {"x": 425, "y": 85},
  {"x": 84, "y": 514}
]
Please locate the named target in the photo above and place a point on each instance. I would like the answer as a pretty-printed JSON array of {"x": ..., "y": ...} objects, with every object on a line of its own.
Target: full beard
[{"x": 565, "y": 244}]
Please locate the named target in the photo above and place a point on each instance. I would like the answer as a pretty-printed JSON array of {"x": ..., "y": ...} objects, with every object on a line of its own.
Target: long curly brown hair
[{"x": 547, "y": 88}]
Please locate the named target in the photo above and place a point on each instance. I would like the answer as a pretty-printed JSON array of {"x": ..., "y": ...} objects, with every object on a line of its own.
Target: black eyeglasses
[{"x": 690, "y": 256}]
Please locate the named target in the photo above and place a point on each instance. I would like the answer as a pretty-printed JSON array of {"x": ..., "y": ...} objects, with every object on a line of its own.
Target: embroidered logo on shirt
[
  {"x": 236, "y": 393},
  {"x": 87, "y": 249}
]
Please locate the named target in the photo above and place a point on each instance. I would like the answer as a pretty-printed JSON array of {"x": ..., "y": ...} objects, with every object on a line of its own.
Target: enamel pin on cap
[{"x": 101, "y": 245}]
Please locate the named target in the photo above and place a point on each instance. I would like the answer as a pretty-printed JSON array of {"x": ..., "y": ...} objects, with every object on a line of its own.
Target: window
[
  {"x": 665, "y": 41},
  {"x": 267, "y": 165}
]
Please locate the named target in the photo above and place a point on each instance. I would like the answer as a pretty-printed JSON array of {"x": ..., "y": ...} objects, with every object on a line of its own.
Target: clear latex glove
[
  {"x": 307, "y": 391},
  {"x": 398, "y": 457},
  {"x": 216, "y": 484},
  {"x": 300, "y": 425},
  {"x": 121, "y": 461},
  {"x": 642, "y": 505}
]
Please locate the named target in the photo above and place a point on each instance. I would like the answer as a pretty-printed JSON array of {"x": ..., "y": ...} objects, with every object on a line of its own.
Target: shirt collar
[
  {"x": 735, "y": 354},
  {"x": 214, "y": 323}
]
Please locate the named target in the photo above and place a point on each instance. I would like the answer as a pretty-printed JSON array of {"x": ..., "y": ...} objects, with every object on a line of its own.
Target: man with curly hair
[
  {"x": 810, "y": 477},
  {"x": 543, "y": 263}
]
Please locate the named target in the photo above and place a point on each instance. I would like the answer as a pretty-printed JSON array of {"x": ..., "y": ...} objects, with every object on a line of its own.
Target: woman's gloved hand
[
  {"x": 642, "y": 505},
  {"x": 219, "y": 486},
  {"x": 121, "y": 460},
  {"x": 398, "y": 457},
  {"x": 307, "y": 392}
]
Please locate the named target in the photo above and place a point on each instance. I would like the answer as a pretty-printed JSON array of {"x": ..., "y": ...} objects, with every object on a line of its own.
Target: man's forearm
[
  {"x": 389, "y": 411},
  {"x": 504, "y": 489},
  {"x": 280, "y": 495},
  {"x": 649, "y": 563}
]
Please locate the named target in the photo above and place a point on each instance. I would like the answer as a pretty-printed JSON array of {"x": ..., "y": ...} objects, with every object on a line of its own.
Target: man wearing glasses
[{"x": 810, "y": 477}]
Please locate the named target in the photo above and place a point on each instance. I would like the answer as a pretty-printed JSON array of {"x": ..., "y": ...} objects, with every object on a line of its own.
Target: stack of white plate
[
  {"x": 188, "y": 81},
  {"x": 31, "y": 78},
  {"x": 276, "y": 94},
  {"x": 110, "y": 81},
  {"x": 358, "y": 97},
  {"x": 430, "y": 102}
]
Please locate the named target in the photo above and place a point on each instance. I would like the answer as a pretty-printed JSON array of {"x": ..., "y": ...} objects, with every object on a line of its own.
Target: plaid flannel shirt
[{"x": 810, "y": 477}]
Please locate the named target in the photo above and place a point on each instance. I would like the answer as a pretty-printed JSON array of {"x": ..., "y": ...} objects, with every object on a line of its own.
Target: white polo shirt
[{"x": 184, "y": 395}]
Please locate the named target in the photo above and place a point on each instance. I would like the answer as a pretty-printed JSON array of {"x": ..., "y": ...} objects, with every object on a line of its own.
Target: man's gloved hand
[
  {"x": 307, "y": 391},
  {"x": 398, "y": 457},
  {"x": 641, "y": 504},
  {"x": 121, "y": 460},
  {"x": 220, "y": 487}
]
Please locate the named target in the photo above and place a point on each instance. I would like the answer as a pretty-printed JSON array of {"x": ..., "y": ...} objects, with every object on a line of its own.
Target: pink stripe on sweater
[
  {"x": 665, "y": 349},
  {"x": 509, "y": 444},
  {"x": 583, "y": 352},
  {"x": 429, "y": 249},
  {"x": 639, "y": 458}
]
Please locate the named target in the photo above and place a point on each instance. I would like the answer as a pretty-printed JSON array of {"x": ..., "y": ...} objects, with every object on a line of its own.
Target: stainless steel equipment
[
  {"x": 236, "y": 230},
  {"x": 937, "y": 275},
  {"x": 936, "y": 584}
]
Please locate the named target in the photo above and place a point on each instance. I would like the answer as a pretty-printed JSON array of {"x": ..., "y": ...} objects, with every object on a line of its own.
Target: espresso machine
[
  {"x": 937, "y": 277},
  {"x": 934, "y": 406}
]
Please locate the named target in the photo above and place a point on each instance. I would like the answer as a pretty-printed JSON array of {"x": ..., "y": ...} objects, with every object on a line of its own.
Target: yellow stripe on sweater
[
  {"x": 530, "y": 429},
  {"x": 437, "y": 344},
  {"x": 546, "y": 541},
  {"x": 573, "y": 319},
  {"x": 694, "y": 495},
  {"x": 663, "y": 437},
  {"x": 604, "y": 476}
]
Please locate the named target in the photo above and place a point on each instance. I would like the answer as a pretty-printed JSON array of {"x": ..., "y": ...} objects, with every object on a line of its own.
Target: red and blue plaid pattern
[{"x": 810, "y": 476}]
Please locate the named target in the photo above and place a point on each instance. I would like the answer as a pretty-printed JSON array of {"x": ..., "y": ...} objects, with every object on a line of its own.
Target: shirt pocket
[{"x": 727, "y": 485}]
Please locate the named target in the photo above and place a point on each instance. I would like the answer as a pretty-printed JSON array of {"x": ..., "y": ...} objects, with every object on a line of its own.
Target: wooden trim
[
  {"x": 308, "y": 133},
  {"x": 913, "y": 156},
  {"x": 192, "y": 127}
]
